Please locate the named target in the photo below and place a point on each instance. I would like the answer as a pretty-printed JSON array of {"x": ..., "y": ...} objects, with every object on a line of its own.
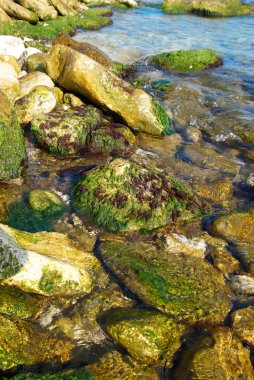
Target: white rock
[
  {"x": 12, "y": 46},
  {"x": 30, "y": 51},
  {"x": 9, "y": 83}
]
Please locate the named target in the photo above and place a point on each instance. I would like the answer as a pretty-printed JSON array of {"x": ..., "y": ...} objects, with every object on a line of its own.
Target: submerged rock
[
  {"x": 23, "y": 343},
  {"x": 41, "y": 200},
  {"x": 12, "y": 148},
  {"x": 208, "y": 8},
  {"x": 39, "y": 101},
  {"x": 148, "y": 336},
  {"x": 178, "y": 284},
  {"x": 243, "y": 324},
  {"x": 45, "y": 263},
  {"x": 187, "y": 60},
  {"x": 222, "y": 358},
  {"x": 78, "y": 73},
  {"x": 123, "y": 196}
]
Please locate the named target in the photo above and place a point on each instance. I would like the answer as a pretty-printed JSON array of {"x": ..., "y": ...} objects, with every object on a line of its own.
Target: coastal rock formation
[
  {"x": 123, "y": 196},
  {"x": 78, "y": 73}
]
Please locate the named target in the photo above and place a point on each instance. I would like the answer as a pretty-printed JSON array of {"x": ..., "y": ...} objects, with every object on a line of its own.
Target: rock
[
  {"x": 45, "y": 263},
  {"x": 63, "y": 8},
  {"x": 39, "y": 101},
  {"x": 85, "y": 48},
  {"x": 222, "y": 358},
  {"x": 41, "y": 200},
  {"x": 121, "y": 197},
  {"x": 242, "y": 284},
  {"x": 72, "y": 100},
  {"x": 181, "y": 285},
  {"x": 40, "y": 7},
  {"x": 17, "y": 338},
  {"x": 32, "y": 80},
  {"x": 127, "y": 3},
  {"x": 245, "y": 253},
  {"x": 187, "y": 60},
  {"x": 190, "y": 246},
  {"x": 12, "y": 148},
  {"x": 243, "y": 324},
  {"x": 9, "y": 83},
  {"x": 148, "y": 336},
  {"x": 235, "y": 227},
  {"x": 11, "y": 61},
  {"x": 4, "y": 18},
  {"x": 219, "y": 191},
  {"x": 78, "y": 73},
  {"x": 58, "y": 95},
  {"x": 207, "y": 8},
  {"x": 35, "y": 62},
  {"x": 16, "y": 304},
  {"x": 13, "y": 46},
  {"x": 66, "y": 132},
  {"x": 31, "y": 51},
  {"x": 17, "y": 11}
]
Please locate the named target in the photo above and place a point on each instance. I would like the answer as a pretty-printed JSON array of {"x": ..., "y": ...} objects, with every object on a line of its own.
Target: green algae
[
  {"x": 16, "y": 303},
  {"x": 68, "y": 375},
  {"x": 162, "y": 118},
  {"x": 187, "y": 60}
]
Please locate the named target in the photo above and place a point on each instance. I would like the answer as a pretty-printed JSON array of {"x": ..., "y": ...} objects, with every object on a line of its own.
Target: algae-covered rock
[
  {"x": 40, "y": 7},
  {"x": 23, "y": 343},
  {"x": 32, "y": 80},
  {"x": 123, "y": 196},
  {"x": 17, "y": 304},
  {"x": 35, "y": 62},
  {"x": 66, "y": 131},
  {"x": 222, "y": 358},
  {"x": 39, "y": 101},
  {"x": 148, "y": 336},
  {"x": 72, "y": 100},
  {"x": 187, "y": 60},
  {"x": 45, "y": 263},
  {"x": 42, "y": 200},
  {"x": 12, "y": 148},
  {"x": 243, "y": 324},
  {"x": 17, "y": 11},
  {"x": 84, "y": 48},
  {"x": 178, "y": 284},
  {"x": 207, "y": 8},
  {"x": 78, "y": 73}
]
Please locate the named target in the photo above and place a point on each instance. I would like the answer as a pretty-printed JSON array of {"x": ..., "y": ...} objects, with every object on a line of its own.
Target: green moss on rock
[
  {"x": 187, "y": 60},
  {"x": 16, "y": 304},
  {"x": 123, "y": 196}
]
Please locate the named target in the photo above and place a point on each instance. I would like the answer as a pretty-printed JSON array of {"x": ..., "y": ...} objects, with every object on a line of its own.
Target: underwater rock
[
  {"x": 207, "y": 8},
  {"x": 12, "y": 148},
  {"x": 42, "y": 200},
  {"x": 32, "y": 80},
  {"x": 178, "y": 284},
  {"x": 46, "y": 263},
  {"x": 148, "y": 336},
  {"x": 66, "y": 131},
  {"x": 243, "y": 324},
  {"x": 222, "y": 357},
  {"x": 39, "y": 101},
  {"x": 23, "y": 343},
  {"x": 78, "y": 73},
  {"x": 187, "y": 60},
  {"x": 123, "y": 196}
]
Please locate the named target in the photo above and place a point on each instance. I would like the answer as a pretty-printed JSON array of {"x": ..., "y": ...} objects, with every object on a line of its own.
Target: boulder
[
  {"x": 63, "y": 8},
  {"x": 84, "y": 48},
  {"x": 32, "y": 80},
  {"x": 11, "y": 61},
  {"x": 243, "y": 324},
  {"x": 148, "y": 336},
  {"x": 46, "y": 263},
  {"x": 180, "y": 285},
  {"x": 12, "y": 148},
  {"x": 222, "y": 357},
  {"x": 187, "y": 60},
  {"x": 208, "y": 8},
  {"x": 23, "y": 343},
  {"x": 35, "y": 62},
  {"x": 9, "y": 83},
  {"x": 123, "y": 196},
  {"x": 41, "y": 200},
  {"x": 4, "y": 18},
  {"x": 72, "y": 100},
  {"x": 79, "y": 73},
  {"x": 40, "y": 7},
  {"x": 17, "y": 11},
  {"x": 39, "y": 101},
  {"x": 13, "y": 46}
]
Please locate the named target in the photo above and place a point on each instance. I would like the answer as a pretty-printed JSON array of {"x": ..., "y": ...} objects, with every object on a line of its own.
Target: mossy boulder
[
  {"x": 39, "y": 101},
  {"x": 77, "y": 72},
  {"x": 23, "y": 343},
  {"x": 243, "y": 324},
  {"x": 32, "y": 80},
  {"x": 187, "y": 60},
  {"x": 35, "y": 62},
  {"x": 123, "y": 196},
  {"x": 207, "y": 8},
  {"x": 148, "y": 336},
  {"x": 41, "y": 200},
  {"x": 178, "y": 284},
  {"x": 45, "y": 263},
  {"x": 220, "y": 357},
  {"x": 84, "y": 48},
  {"x": 72, "y": 100},
  {"x": 66, "y": 131},
  {"x": 17, "y": 304},
  {"x": 12, "y": 148}
]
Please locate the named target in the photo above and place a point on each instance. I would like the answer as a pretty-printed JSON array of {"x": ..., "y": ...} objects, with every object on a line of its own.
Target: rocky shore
[{"x": 113, "y": 264}]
